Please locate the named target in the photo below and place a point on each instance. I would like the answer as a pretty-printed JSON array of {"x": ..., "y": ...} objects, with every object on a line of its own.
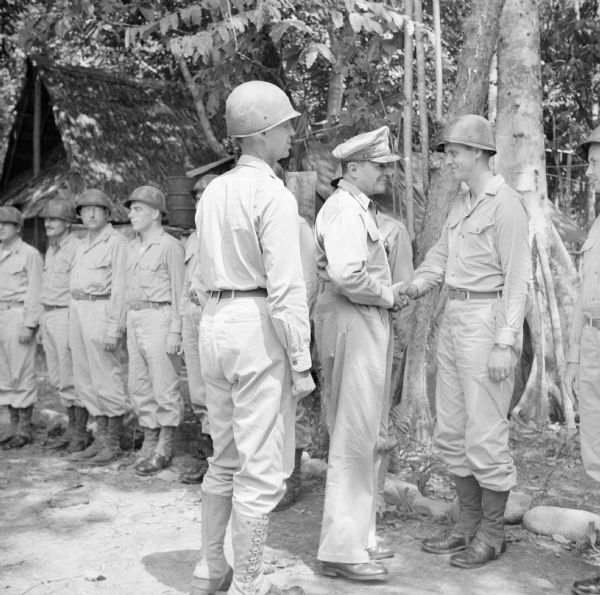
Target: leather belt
[
  {"x": 463, "y": 294},
  {"x": 147, "y": 305},
  {"x": 10, "y": 305},
  {"x": 594, "y": 322},
  {"x": 225, "y": 294},
  {"x": 89, "y": 297},
  {"x": 48, "y": 307}
]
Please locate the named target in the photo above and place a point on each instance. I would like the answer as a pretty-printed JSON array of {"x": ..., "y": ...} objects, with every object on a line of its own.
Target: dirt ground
[{"x": 76, "y": 530}]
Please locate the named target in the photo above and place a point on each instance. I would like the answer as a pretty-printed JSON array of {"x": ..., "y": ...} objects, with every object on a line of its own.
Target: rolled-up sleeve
[
  {"x": 345, "y": 243},
  {"x": 278, "y": 233},
  {"x": 512, "y": 240},
  {"x": 32, "y": 299},
  {"x": 175, "y": 263},
  {"x": 431, "y": 272},
  {"x": 115, "y": 324}
]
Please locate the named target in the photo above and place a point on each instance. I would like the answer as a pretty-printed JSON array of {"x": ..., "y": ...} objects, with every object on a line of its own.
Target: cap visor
[{"x": 386, "y": 158}]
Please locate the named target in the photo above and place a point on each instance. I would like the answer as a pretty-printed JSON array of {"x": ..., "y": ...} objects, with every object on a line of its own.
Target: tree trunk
[
  {"x": 437, "y": 28},
  {"x": 341, "y": 46},
  {"x": 521, "y": 159},
  {"x": 205, "y": 124},
  {"x": 471, "y": 88},
  {"x": 422, "y": 95},
  {"x": 407, "y": 120}
]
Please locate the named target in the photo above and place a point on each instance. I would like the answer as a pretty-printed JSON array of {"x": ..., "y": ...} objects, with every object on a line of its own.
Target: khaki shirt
[
  {"x": 100, "y": 269},
  {"x": 247, "y": 224},
  {"x": 21, "y": 279},
  {"x": 57, "y": 271},
  {"x": 350, "y": 249},
  {"x": 155, "y": 272},
  {"x": 308, "y": 254},
  {"x": 588, "y": 301},
  {"x": 485, "y": 247}
]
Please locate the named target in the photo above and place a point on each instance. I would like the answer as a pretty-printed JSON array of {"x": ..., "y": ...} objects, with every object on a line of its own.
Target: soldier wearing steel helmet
[
  {"x": 254, "y": 341},
  {"x": 483, "y": 257},
  {"x": 59, "y": 215},
  {"x": 20, "y": 284},
  {"x": 97, "y": 323},
  {"x": 155, "y": 270},
  {"x": 583, "y": 359}
]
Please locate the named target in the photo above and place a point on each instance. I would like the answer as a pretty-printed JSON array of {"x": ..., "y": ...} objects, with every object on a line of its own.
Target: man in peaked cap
[
  {"x": 583, "y": 359},
  {"x": 483, "y": 256},
  {"x": 97, "y": 323},
  {"x": 20, "y": 284},
  {"x": 155, "y": 270},
  {"x": 254, "y": 341},
  {"x": 354, "y": 343},
  {"x": 58, "y": 215}
]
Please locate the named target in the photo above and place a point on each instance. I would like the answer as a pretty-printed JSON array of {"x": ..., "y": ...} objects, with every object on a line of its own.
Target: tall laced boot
[
  {"x": 61, "y": 442},
  {"x": 148, "y": 445},
  {"x": 213, "y": 573},
  {"x": 79, "y": 440},
  {"x": 111, "y": 448},
  {"x": 24, "y": 434},
  {"x": 162, "y": 455},
  {"x": 489, "y": 541},
  {"x": 249, "y": 535},
  {"x": 469, "y": 518},
  {"x": 293, "y": 484},
  {"x": 96, "y": 446},
  {"x": 12, "y": 429}
]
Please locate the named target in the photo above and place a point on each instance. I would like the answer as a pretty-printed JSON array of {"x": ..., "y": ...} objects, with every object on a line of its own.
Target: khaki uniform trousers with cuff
[
  {"x": 98, "y": 374},
  {"x": 355, "y": 348},
  {"x": 18, "y": 386},
  {"x": 55, "y": 339},
  {"x": 250, "y": 404},
  {"x": 589, "y": 400},
  {"x": 471, "y": 409},
  {"x": 190, "y": 341},
  {"x": 153, "y": 374}
]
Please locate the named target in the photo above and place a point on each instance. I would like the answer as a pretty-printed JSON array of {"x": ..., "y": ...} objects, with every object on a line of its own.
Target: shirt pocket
[
  {"x": 477, "y": 241},
  {"x": 150, "y": 270}
]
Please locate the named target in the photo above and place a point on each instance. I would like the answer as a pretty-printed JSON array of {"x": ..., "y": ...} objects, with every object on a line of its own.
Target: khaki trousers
[
  {"x": 97, "y": 373},
  {"x": 250, "y": 404},
  {"x": 153, "y": 374},
  {"x": 471, "y": 409},
  {"x": 355, "y": 348},
  {"x": 18, "y": 386},
  {"x": 589, "y": 400},
  {"x": 190, "y": 337},
  {"x": 55, "y": 339}
]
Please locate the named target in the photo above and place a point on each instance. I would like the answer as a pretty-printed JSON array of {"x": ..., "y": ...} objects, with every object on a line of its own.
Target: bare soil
[{"x": 71, "y": 529}]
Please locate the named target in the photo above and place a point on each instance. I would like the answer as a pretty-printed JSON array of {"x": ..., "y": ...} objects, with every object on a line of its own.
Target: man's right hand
[
  {"x": 302, "y": 384},
  {"x": 402, "y": 292},
  {"x": 572, "y": 381}
]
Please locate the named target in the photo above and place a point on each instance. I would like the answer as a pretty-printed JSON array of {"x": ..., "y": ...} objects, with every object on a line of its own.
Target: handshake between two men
[{"x": 403, "y": 293}]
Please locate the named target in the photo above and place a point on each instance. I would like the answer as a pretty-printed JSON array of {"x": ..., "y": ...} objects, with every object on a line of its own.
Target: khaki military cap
[{"x": 369, "y": 146}]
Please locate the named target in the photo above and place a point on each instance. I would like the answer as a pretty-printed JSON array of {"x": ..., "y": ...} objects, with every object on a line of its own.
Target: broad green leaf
[
  {"x": 337, "y": 18},
  {"x": 356, "y": 21}
]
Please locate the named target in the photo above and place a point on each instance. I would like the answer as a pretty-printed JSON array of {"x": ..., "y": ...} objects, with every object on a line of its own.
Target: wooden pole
[
  {"x": 37, "y": 128},
  {"x": 407, "y": 118},
  {"x": 437, "y": 28},
  {"x": 422, "y": 95}
]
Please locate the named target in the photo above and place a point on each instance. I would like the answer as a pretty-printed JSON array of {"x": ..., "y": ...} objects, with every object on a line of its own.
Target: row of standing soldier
[{"x": 254, "y": 339}]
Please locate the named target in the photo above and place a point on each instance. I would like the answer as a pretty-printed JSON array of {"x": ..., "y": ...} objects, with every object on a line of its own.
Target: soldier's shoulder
[
  {"x": 169, "y": 241},
  {"x": 30, "y": 250}
]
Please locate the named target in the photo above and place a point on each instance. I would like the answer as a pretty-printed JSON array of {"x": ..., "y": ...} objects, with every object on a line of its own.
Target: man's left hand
[
  {"x": 302, "y": 384},
  {"x": 26, "y": 335},
  {"x": 500, "y": 363},
  {"x": 173, "y": 344}
]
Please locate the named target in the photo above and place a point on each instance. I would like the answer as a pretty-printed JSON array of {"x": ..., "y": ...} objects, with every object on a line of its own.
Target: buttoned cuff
[
  {"x": 505, "y": 336},
  {"x": 301, "y": 362},
  {"x": 387, "y": 297},
  {"x": 420, "y": 284},
  {"x": 574, "y": 354}
]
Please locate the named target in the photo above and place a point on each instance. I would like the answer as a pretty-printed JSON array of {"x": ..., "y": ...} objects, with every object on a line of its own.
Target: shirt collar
[
  {"x": 491, "y": 189},
  {"x": 104, "y": 235},
  {"x": 361, "y": 197},
  {"x": 15, "y": 248},
  {"x": 155, "y": 239},
  {"x": 251, "y": 161}
]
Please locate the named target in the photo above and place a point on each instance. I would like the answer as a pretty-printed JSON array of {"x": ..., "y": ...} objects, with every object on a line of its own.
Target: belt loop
[{"x": 233, "y": 293}]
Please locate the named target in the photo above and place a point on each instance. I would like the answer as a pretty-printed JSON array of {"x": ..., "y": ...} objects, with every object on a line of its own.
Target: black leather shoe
[
  {"x": 365, "y": 571},
  {"x": 195, "y": 475},
  {"x": 587, "y": 586},
  {"x": 153, "y": 465},
  {"x": 446, "y": 543},
  {"x": 380, "y": 552},
  {"x": 476, "y": 554},
  {"x": 18, "y": 441}
]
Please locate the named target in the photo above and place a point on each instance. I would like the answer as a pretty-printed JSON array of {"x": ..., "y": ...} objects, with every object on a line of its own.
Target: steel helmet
[
  {"x": 255, "y": 107},
  {"x": 59, "y": 208},
  {"x": 149, "y": 195},
  {"x": 11, "y": 215},
  {"x": 92, "y": 198},
  {"x": 470, "y": 130},
  {"x": 583, "y": 149}
]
